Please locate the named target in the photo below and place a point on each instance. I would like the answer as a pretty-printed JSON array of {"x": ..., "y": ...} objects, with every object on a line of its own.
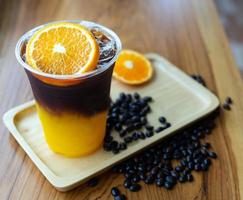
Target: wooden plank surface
[{"x": 187, "y": 32}]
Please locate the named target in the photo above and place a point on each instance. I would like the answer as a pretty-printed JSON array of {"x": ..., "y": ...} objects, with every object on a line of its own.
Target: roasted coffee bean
[
  {"x": 197, "y": 167},
  {"x": 93, "y": 182},
  {"x": 134, "y": 187},
  {"x": 179, "y": 168},
  {"x": 115, "y": 151},
  {"x": 170, "y": 179},
  {"x": 149, "y": 128},
  {"x": 141, "y": 135},
  {"x": 154, "y": 171},
  {"x": 135, "y": 136},
  {"x": 174, "y": 174},
  {"x": 204, "y": 167},
  {"x": 122, "y": 134},
  {"x": 122, "y": 146},
  {"x": 207, "y": 162},
  {"x": 136, "y": 95},
  {"x": 108, "y": 138},
  {"x": 114, "y": 144},
  {"x": 107, "y": 146},
  {"x": 182, "y": 178},
  {"x": 162, "y": 120},
  {"x": 167, "y": 125},
  {"x": 159, "y": 182},
  {"x": 190, "y": 165},
  {"x": 120, "y": 197},
  {"x": 147, "y": 99},
  {"x": 135, "y": 119},
  {"x": 189, "y": 177},
  {"x": 183, "y": 162},
  {"x": 168, "y": 185},
  {"x": 122, "y": 96},
  {"x": 189, "y": 158},
  {"x": 149, "y": 180},
  {"x": 143, "y": 120},
  {"x": 206, "y": 145},
  {"x": 128, "y": 175},
  {"x": 212, "y": 154},
  {"x": 127, "y": 139},
  {"x": 159, "y": 175},
  {"x": 127, "y": 183},
  {"x": 142, "y": 176},
  {"x": 137, "y": 125},
  {"x": 228, "y": 100},
  {"x": 226, "y": 106},
  {"x": 159, "y": 129},
  {"x": 136, "y": 178},
  {"x": 115, "y": 191},
  {"x": 149, "y": 134}
]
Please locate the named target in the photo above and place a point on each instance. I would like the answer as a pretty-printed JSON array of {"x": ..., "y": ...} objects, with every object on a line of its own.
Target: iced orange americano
[{"x": 69, "y": 66}]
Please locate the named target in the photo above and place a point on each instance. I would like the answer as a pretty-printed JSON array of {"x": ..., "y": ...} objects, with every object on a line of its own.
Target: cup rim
[{"x": 104, "y": 67}]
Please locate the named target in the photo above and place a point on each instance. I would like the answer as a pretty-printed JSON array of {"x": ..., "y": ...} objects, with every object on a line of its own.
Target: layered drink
[{"x": 72, "y": 104}]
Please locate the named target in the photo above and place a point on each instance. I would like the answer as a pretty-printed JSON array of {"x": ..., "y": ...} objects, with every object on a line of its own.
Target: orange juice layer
[{"x": 72, "y": 134}]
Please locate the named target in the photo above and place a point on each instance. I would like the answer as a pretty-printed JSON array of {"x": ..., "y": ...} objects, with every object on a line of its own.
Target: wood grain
[{"x": 187, "y": 32}]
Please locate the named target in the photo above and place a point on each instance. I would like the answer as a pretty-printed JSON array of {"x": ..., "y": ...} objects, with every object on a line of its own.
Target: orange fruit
[
  {"x": 132, "y": 68},
  {"x": 62, "y": 48}
]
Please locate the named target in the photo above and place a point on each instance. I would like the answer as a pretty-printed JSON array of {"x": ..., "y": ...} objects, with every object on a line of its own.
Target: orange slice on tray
[
  {"x": 132, "y": 68},
  {"x": 62, "y": 48}
]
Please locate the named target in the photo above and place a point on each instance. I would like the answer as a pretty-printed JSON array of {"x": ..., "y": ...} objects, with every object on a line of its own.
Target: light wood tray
[{"x": 176, "y": 96}]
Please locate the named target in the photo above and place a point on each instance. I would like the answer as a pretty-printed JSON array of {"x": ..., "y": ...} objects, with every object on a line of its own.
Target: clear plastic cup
[{"x": 72, "y": 108}]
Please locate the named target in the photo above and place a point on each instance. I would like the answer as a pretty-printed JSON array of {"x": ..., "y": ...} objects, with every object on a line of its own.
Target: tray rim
[{"x": 64, "y": 184}]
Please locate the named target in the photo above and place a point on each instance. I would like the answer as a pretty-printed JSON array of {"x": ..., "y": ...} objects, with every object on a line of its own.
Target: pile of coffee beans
[
  {"x": 172, "y": 160},
  {"x": 128, "y": 117},
  {"x": 167, "y": 163}
]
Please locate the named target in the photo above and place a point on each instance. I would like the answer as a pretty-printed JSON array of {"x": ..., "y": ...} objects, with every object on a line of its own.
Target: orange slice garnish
[
  {"x": 62, "y": 48},
  {"x": 132, "y": 68}
]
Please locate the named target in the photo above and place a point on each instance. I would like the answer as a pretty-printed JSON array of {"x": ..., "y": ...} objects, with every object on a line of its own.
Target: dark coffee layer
[{"x": 90, "y": 96}]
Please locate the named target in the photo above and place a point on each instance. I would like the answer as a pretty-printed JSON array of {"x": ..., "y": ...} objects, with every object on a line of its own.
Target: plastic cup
[{"x": 72, "y": 108}]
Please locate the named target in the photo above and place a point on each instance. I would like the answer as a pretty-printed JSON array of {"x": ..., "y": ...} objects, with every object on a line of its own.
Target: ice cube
[{"x": 107, "y": 46}]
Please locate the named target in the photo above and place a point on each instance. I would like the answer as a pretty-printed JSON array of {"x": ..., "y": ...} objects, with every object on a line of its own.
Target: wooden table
[{"x": 187, "y": 32}]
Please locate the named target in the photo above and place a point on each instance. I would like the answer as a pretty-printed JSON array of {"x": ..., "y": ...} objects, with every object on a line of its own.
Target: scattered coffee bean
[
  {"x": 120, "y": 197},
  {"x": 93, "y": 182},
  {"x": 159, "y": 129},
  {"x": 199, "y": 79},
  {"x": 162, "y": 120},
  {"x": 149, "y": 134},
  {"x": 228, "y": 100},
  {"x": 167, "y": 125},
  {"x": 115, "y": 191},
  {"x": 212, "y": 154},
  {"x": 226, "y": 106}
]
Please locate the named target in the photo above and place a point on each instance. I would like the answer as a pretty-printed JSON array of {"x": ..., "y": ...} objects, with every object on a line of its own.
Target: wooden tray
[{"x": 176, "y": 96}]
